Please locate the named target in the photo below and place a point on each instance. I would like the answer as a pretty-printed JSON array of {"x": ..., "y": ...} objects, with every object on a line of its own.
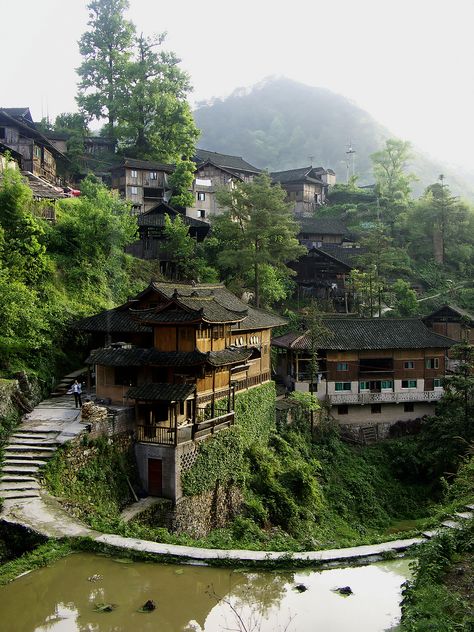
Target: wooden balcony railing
[{"x": 165, "y": 435}]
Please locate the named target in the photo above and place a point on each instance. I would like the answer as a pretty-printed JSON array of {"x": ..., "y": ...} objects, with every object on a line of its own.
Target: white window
[
  {"x": 134, "y": 174},
  {"x": 437, "y": 383},
  {"x": 408, "y": 383},
  {"x": 201, "y": 213},
  {"x": 134, "y": 190},
  {"x": 409, "y": 364},
  {"x": 153, "y": 175},
  {"x": 432, "y": 363},
  {"x": 364, "y": 386},
  {"x": 201, "y": 196}
]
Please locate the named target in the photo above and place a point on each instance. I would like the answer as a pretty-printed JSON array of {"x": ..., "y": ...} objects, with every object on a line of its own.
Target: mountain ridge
[{"x": 280, "y": 124}]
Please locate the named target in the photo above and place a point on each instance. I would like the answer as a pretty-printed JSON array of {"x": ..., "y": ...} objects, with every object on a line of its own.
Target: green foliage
[
  {"x": 43, "y": 555},
  {"x": 223, "y": 458},
  {"x": 97, "y": 489},
  {"x": 405, "y": 301},
  {"x": 431, "y": 601},
  {"x": 256, "y": 232}
]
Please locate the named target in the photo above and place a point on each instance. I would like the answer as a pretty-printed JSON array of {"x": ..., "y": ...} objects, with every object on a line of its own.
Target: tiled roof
[
  {"x": 15, "y": 112},
  {"x": 155, "y": 217},
  {"x": 454, "y": 309},
  {"x": 166, "y": 316},
  {"x": 323, "y": 226},
  {"x": 258, "y": 318},
  {"x": 153, "y": 165},
  {"x": 135, "y": 356},
  {"x": 163, "y": 392},
  {"x": 211, "y": 310},
  {"x": 41, "y": 189},
  {"x": 236, "y": 163},
  {"x": 118, "y": 320},
  {"x": 347, "y": 334},
  {"x": 347, "y": 256},
  {"x": 297, "y": 175},
  {"x": 228, "y": 356}
]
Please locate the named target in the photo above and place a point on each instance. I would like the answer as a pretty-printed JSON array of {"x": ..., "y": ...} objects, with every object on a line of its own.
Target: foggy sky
[{"x": 409, "y": 63}]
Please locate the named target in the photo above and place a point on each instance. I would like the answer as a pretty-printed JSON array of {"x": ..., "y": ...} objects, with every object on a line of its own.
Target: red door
[{"x": 155, "y": 477}]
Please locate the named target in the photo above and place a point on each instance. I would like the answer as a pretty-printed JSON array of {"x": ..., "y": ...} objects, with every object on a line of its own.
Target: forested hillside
[{"x": 282, "y": 124}]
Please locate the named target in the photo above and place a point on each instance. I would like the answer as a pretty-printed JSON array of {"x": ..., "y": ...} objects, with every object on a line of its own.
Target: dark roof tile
[
  {"x": 135, "y": 356},
  {"x": 234, "y": 163},
  {"x": 163, "y": 392},
  {"x": 347, "y": 334}
]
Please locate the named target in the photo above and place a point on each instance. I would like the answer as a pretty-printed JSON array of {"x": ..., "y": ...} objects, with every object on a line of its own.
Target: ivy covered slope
[
  {"x": 440, "y": 598},
  {"x": 54, "y": 272}
]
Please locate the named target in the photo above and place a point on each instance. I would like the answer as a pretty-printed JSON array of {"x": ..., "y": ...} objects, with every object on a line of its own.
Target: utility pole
[
  {"x": 443, "y": 215},
  {"x": 350, "y": 161}
]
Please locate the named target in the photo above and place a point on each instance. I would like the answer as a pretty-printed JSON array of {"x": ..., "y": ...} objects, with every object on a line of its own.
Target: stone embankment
[{"x": 26, "y": 503}]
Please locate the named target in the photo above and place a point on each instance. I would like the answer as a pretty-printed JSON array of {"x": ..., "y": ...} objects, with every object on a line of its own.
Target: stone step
[
  {"x": 18, "y": 462},
  {"x": 17, "y": 485},
  {"x": 33, "y": 447},
  {"x": 451, "y": 524},
  {"x": 465, "y": 515},
  {"x": 430, "y": 534},
  {"x": 12, "y": 494},
  {"x": 33, "y": 434},
  {"x": 26, "y": 456},
  {"x": 43, "y": 442},
  {"x": 17, "y": 478},
  {"x": 470, "y": 507},
  {"x": 20, "y": 469}
]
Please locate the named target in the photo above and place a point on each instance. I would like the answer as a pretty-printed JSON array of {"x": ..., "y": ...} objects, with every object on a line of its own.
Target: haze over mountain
[{"x": 282, "y": 124}]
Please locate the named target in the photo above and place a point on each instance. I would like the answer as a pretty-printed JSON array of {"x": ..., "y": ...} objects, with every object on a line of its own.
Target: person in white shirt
[{"x": 77, "y": 391}]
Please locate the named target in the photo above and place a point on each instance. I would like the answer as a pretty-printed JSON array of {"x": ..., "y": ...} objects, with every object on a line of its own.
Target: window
[
  {"x": 134, "y": 173},
  {"x": 343, "y": 386},
  {"x": 37, "y": 151},
  {"x": 408, "y": 383},
  {"x": 364, "y": 386},
  {"x": 432, "y": 363},
  {"x": 201, "y": 196},
  {"x": 437, "y": 383},
  {"x": 125, "y": 376},
  {"x": 203, "y": 333},
  {"x": 376, "y": 408},
  {"x": 134, "y": 190},
  {"x": 343, "y": 409},
  {"x": 3, "y": 132},
  {"x": 153, "y": 175},
  {"x": 409, "y": 407},
  {"x": 409, "y": 364},
  {"x": 201, "y": 213},
  {"x": 387, "y": 385},
  {"x": 342, "y": 366}
]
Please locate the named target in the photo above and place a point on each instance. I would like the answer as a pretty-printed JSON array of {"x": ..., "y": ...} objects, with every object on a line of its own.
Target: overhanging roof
[{"x": 161, "y": 392}]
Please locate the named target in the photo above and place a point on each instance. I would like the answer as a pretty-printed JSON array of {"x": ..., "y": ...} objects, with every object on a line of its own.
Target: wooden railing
[{"x": 165, "y": 435}]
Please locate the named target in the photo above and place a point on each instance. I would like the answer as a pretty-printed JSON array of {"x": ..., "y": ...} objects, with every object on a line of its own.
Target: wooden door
[{"x": 155, "y": 477}]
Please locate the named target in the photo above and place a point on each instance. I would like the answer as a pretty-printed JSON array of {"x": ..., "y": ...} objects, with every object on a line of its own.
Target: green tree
[
  {"x": 393, "y": 184},
  {"x": 257, "y": 230},
  {"x": 107, "y": 49},
  {"x": 405, "y": 301}
]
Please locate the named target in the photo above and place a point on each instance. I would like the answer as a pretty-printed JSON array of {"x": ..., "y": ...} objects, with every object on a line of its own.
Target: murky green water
[{"x": 197, "y": 599}]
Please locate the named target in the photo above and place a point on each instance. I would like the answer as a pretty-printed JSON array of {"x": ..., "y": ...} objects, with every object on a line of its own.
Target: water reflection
[{"x": 196, "y": 599}]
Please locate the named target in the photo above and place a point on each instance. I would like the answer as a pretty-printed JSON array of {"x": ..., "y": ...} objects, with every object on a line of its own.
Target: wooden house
[
  {"x": 150, "y": 244},
  {"x": 143, "y": 182},
  {"x": 178, "y": 354},
  {"x": 372, "y": 372},
  {"x": 452, "y": 321},
  {"x": 306, "y": 187},
  {"x": 19, "y": 133},
  {"x": 215, "y": 171}
]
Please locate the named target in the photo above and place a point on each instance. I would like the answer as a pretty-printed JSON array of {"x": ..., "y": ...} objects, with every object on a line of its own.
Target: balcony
[
  {"x": 386, "y": 398},
  {"x": 167, "y": 435}
]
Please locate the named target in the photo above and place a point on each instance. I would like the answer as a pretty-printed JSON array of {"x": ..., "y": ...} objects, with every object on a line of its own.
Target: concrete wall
[{"x": 390, "y": 414}]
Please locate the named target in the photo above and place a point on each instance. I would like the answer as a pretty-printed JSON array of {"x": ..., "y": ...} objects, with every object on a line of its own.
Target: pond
[{"x": 64, "y": 597}]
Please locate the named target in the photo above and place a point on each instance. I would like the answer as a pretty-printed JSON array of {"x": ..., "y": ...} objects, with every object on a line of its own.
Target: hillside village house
[
  {"x": 323, "y": 271},
  {"x": 213, "y": 172},
  {"x": 306, "y": 187},
  {"x": 372, "y": 372},
  {"x": 176, "y": 355},
  {"x": 143, "y": 182},
  {"x": 452, "y": 321},
  {"x": 35, "y": 155}
]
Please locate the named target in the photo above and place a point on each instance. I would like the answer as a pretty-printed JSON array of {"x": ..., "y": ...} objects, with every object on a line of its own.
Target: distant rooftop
[{"x": 226, "y": 161}]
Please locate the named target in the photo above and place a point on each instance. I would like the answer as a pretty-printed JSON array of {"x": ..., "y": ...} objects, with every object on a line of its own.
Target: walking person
[{"x": 77, "y": 391}]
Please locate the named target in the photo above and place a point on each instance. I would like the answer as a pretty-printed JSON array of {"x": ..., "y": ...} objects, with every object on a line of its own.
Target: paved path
[{"x": 56, "y": 421}]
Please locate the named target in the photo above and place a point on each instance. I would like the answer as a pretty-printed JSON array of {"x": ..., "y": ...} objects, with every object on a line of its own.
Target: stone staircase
[
  {"x": 25, "y": 454},
  {"x": 455, "y": 523},
  {"x": 65, "y": 383}
]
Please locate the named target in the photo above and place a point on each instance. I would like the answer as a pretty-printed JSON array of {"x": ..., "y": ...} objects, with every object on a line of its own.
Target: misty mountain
[{"x": 282, "y": 124}]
